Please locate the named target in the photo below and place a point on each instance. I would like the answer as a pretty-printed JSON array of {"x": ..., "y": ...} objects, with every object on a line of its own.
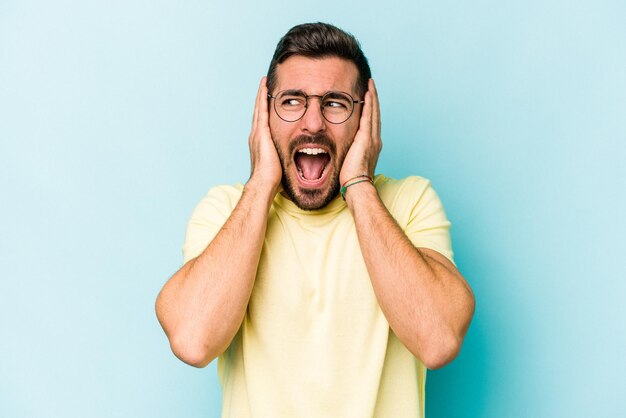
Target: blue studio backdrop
[{"x": 117, "y": 116}]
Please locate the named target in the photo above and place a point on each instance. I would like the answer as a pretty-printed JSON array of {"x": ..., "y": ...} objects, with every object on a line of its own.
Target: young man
[{"x": 325, "y": 291}]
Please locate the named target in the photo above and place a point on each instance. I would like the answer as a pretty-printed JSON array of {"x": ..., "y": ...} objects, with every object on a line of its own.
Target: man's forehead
[{"x": 316, "y": 75}]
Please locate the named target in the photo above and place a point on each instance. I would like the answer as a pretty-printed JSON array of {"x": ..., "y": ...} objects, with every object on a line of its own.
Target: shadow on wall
[
  {"x": 483, "y": 379},
  {"x": 461, "y": 389},
  {"x": 486, "y": 371}
]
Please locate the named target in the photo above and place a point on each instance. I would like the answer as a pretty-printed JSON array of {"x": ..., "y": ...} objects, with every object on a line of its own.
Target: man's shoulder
[
  {"x": 225, "y": 192},
  {"x": 407, "y": 196},
  {"x": 222, "y": 198},
  {"x": 407, "y": 187}
]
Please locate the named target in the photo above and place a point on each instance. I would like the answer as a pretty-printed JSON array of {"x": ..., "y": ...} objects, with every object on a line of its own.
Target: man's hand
[
  {"x": 203, "y": 304},
  {"x": 364, "y": 151},
  {"x": 266, "y": 169},
  {"x": 425, "y": 299}
]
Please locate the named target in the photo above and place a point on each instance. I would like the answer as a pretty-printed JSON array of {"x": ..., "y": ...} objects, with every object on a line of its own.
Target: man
[{"x": 325, "y": 291}]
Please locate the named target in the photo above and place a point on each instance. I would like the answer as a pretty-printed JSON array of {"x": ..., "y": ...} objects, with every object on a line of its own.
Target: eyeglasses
[{"x": 336, "y": 106}]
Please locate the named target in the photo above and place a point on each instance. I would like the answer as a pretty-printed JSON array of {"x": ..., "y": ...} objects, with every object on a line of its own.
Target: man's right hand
[
  {"x": 266, "y": 168},
  {"x": 203, "y": 304}
]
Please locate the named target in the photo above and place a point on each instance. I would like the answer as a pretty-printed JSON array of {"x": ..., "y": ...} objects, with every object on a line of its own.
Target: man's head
[
  {"x": 320, "y": 40},
  {"x": 315, "y": 59}
]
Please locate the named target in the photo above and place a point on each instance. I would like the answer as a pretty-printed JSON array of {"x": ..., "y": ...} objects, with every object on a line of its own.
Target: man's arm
[
  {"x": 202, "y": 305},
  {"x": 425, "y": 299}
]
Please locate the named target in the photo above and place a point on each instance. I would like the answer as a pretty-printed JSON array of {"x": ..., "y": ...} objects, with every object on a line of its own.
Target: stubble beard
[{"x": 311, "y": 199}]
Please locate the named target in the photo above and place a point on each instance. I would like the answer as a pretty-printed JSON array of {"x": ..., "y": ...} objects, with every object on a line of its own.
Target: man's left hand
[{"x": 363, "y": 153}]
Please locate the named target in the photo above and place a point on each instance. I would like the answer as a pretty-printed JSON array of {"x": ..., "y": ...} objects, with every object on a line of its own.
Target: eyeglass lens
[{"x": 336, "y": 106}]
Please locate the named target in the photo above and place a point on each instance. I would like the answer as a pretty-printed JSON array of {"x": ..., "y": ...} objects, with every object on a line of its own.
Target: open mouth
[{"x": 312, "y": 163}]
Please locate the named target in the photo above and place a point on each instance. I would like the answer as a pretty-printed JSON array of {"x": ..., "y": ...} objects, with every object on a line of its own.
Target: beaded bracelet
[{"x": 345, "y": 186}]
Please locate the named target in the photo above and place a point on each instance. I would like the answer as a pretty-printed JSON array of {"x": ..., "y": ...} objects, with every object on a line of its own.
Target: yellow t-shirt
[{"x": 314, "y": 341}]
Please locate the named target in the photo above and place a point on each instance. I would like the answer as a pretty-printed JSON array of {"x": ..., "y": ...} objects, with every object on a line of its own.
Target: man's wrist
[
  {"x": 353, "y": 181},
  {"x": 260, "y": 189},
  {"x": 358, "y": 192}
]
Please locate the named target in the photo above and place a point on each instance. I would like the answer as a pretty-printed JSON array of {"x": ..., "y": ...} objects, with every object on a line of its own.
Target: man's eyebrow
[
  {"x": 335, "y": 95},
  {"x": 294, "y": 92}
]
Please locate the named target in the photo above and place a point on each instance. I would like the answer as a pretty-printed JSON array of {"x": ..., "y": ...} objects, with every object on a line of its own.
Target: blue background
[{"x": 117, "y": 116}]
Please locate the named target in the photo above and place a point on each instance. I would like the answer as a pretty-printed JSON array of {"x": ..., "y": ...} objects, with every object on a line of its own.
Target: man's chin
[{"x": 310, "y": 199}]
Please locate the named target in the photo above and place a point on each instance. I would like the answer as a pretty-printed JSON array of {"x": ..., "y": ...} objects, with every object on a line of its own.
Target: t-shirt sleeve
[
  {"x": 428, "y": 224},
  {"x": 421, "y": 215},
  {"x": 208, "y": 218}
]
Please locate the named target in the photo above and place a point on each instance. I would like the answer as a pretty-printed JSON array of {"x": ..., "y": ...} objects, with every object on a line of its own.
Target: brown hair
[{"x": 319, "y": 40}]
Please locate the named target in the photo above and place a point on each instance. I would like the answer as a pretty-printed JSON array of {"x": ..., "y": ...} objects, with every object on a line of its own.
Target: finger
[
  {"x": 255, "y": 115},
  {"x": 365, "y": 125},
  {"x": 376, "y": 124},
  {"x": 263, "y": 104}
]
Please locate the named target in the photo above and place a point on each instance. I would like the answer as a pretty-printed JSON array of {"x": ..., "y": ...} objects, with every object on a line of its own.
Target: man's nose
[{"x": 313, "y": 120}]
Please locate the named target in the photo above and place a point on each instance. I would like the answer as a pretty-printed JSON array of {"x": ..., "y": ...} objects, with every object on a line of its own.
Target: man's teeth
[{"x": 312, "y": 151}]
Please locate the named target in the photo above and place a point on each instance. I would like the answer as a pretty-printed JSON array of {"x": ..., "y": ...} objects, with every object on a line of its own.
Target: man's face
[{"x": 312, "y": 150}]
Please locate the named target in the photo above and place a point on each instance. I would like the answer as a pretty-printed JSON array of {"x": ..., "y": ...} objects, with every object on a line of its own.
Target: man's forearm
[
  {"x": 426, "y": 301},
  {"x": 202, "y": 306}
]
